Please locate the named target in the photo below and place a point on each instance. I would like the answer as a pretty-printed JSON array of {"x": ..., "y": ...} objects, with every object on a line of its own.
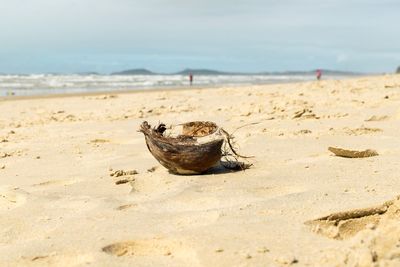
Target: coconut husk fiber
[{"x": 189, "y": 148}]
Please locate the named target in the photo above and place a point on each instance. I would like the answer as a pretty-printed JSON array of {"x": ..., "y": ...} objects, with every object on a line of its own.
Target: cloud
[{"x": 264, "y": 34}]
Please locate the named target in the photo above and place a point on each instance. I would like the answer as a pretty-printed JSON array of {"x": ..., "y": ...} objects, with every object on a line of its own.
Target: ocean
[{"x": 45, "y": 84}]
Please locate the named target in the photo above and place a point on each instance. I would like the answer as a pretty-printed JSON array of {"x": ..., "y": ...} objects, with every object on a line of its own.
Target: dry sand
[{"x": 60, "y": 206}]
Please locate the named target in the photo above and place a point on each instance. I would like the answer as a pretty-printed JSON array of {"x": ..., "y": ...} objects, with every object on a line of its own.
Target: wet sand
[{"x": 62, "y": 160}]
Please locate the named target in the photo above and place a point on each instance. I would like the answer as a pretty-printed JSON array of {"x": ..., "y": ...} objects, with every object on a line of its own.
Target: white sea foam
[{"x": 52, "y": 84}]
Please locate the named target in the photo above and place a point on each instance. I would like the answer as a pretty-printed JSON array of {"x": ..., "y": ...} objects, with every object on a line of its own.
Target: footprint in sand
[
  {"x": 11, "y": 198},
  {"x": 153, "y": 248},
  {"x": 343, "y": 225}
]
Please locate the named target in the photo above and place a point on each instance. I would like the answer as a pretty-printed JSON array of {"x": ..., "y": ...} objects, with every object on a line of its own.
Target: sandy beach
[{"x": 69, "y": 195}]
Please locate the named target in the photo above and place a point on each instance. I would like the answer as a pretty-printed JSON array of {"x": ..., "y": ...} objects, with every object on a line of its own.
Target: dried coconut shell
[{"x": 195, "y": 150}]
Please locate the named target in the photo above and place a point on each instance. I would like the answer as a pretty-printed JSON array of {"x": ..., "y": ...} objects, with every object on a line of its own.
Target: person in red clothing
[
  {"x": 318, "y": 74},
  {"x": 191, "y": 78}
]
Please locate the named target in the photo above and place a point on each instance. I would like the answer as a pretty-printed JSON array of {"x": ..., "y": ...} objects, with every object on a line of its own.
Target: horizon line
[{"x": 217, "y": 71}]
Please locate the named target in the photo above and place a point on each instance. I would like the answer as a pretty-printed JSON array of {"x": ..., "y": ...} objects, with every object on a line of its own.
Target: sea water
[{"x": 44, "y": 84}]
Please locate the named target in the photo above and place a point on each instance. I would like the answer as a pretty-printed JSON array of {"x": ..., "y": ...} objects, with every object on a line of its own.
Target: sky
[{"x": 69, "y": 36}]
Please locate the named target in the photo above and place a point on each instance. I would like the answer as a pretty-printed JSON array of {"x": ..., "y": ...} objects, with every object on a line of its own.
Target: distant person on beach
[
  {"x": 191, "y": 78},
  {"x": 318, "y": 74}
]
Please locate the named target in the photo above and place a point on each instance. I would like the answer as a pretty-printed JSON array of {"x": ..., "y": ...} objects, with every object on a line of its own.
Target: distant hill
[
  {"x": 134, "y": 72},
  {"x": 398, "y": 70}
]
